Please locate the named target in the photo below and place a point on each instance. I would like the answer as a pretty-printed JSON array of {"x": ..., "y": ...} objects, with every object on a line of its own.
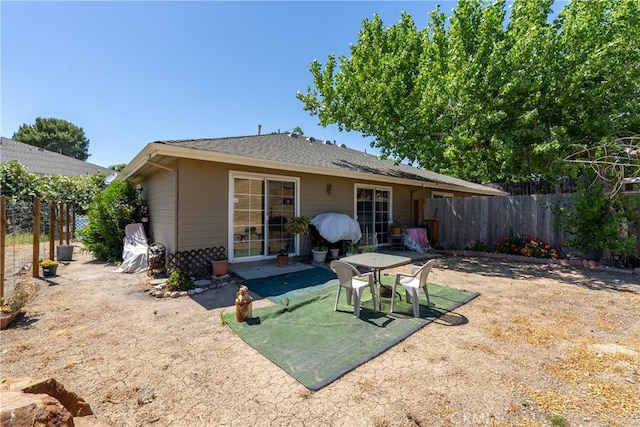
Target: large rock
[
  {"x": 27, "y": 403},
  {"x": 28, "y": 410},
  {"x": 74, "y": 404}
]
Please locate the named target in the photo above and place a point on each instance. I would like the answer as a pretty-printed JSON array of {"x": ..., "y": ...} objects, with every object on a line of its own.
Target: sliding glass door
[
  {"x": 260, "y": 209},
  {"x": 373, "y": 210}
]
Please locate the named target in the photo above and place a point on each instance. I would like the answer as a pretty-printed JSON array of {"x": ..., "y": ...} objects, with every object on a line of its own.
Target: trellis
[
  {"x": 30, "y": 218},
  {"x": 196, "y": 262}
]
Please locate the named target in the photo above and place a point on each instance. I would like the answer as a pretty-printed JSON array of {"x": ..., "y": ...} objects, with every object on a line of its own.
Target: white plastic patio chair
[
  {"x": 412, "y": 283},
  {"x": 354, "y": 283}
]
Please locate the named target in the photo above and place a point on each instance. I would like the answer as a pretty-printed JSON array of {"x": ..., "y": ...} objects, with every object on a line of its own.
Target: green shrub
[
  {"x": 477, "y": 245},
  {"x": 179, "y": 280},
  {"x": 107, "y": 215},
  {"x": 599, "y": 223}
]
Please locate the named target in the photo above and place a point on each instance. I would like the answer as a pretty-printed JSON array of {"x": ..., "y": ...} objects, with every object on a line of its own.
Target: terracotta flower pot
[
  {"x": 6, "y": 319},
  {"x": 221, "y": 267},
  {"x": 283, "y": 260}
]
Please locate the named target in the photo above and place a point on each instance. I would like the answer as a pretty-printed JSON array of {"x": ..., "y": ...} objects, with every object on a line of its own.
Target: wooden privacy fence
[
  {"x": 23, "y": 234},
  {"x": 466, "y": 219}
]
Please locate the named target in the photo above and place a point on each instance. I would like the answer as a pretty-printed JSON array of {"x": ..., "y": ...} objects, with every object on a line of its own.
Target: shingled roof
[
  {"x": 314, "y": 153},
  {"x": 40, "y": 161}
]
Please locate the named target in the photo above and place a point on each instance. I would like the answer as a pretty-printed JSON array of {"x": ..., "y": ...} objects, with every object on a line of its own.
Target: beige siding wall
[
  {"x": 316, "y": 197},
  {"x": 402, "y": 206},
  {"x": 334, "y": 194},
  {"x": 203, "y": 205},
  {"x": 159, "y": 192},
  {"x": 203, "y": 216}
]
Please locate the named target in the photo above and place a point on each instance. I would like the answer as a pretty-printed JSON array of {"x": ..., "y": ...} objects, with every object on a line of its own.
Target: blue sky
[{"x": 130, "y": 73}]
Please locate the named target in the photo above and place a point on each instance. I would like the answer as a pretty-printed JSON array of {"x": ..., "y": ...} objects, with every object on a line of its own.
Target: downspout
[{"x": 177, "y": 204}]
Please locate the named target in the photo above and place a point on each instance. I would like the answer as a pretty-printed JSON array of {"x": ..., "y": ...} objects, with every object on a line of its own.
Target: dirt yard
[{"x": 542, "y": 345}]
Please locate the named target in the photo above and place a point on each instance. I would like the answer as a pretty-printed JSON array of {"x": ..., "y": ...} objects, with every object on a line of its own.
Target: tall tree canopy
[
  {"x": 55, "y": 135},
  {"x": 487, "y": 97}
]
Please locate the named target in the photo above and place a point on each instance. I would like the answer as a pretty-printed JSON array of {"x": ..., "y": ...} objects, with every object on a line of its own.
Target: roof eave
[{"x": 154, "y": 149}]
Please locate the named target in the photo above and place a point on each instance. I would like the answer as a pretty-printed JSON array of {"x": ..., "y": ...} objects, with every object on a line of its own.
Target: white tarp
[
  {"x": 134, "y": 254},
  {"x": 336, "y": 226}
]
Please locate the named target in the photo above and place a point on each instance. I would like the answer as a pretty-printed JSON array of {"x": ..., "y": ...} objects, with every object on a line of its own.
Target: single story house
[
  {"x": 43, "y": 162},
  {"x": 239, "y": 191}
]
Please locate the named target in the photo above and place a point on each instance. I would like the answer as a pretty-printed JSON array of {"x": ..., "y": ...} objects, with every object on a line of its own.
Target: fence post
[
  {"x": 52, "y": 229},
  {"x": 60, "y": 222},
  {"x": 3, "y": 234},
  {"x": 36, "y": 236},
  {"x": 68, "y": 227}
]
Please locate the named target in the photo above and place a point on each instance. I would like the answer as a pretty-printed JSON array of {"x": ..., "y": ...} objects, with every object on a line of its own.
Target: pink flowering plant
[
  {"x": 530, "y": 246},
  {"x": 179, "y": 280}
]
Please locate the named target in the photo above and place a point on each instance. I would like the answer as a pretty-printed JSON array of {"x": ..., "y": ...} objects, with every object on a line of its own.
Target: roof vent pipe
[{"x": 259, "y": 129}]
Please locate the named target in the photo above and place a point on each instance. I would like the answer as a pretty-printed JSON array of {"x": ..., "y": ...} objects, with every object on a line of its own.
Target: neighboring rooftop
[
  {"x": 315, "y": 153},
  {"x": 40, "y": 161}
]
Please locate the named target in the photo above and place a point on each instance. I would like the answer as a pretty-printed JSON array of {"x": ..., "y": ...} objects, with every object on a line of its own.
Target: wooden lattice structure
[{"x": 196, "y": 262}]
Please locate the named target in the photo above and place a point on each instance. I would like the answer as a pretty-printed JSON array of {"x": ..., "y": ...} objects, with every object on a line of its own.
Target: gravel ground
[{"x": 540, "y": 345}]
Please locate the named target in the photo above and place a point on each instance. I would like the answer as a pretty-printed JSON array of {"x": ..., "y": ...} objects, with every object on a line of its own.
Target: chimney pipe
[{"x": 259, "y": 128}]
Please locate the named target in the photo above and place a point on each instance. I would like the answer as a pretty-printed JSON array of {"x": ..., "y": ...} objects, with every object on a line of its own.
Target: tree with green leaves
[
  {"x": 108, "y": 214},
  {"x": 19, "y": 185},
  {"x": 55, "y": 135},
  {"x": 600, "y": 225},
  {"x": 118, "y": 167},
  {"x": 486, "y": 97}
]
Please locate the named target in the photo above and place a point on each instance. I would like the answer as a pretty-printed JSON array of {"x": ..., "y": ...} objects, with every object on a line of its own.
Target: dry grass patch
[
  {"x": 605, "y": 324},
  {"x": 537, "y": 335},
  {"x": 598, "y": 381}
]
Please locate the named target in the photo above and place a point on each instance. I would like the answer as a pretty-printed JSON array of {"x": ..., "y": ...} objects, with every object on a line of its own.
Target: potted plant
[
  {"x": 396, "y": 228},
  {"x": 297, "y": 225},
  {"x": 319, "y": 253},
  {"x": 352, "y": 249},
  {"x": 49, "y": 267},
  {"x": 282, "y": 258},
  {"x": 7, "y": 314},
  {"x": 12, "y": 307},
  {"x": 220, "y": 265}
]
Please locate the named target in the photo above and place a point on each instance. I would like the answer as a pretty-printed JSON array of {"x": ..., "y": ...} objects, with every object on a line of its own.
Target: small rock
[{"x": 198, "y": 290}]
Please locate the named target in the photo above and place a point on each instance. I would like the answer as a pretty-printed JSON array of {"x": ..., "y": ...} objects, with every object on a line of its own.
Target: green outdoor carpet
[
  {"x": 317, "y": 345},
  {"x": 292, "y": 285}
]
